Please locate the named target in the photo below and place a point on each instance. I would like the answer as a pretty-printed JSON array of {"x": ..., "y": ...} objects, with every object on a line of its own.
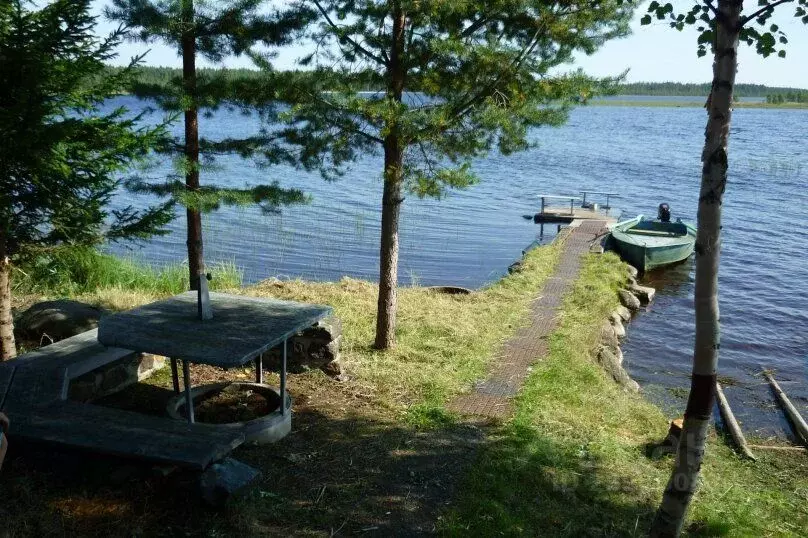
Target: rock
[
  {"x": 632, "y": 271},
  {"x": 623, "y": 312},
  {"x": 611, "y": 363},
  {"x": 57, "y": 320},
  {"x": 227, "y": 480},
  {"x": 113, "y": 377},
  {"x": 643, "y": 293},
  {"x": 450, "y": 290},
  {"x": 314, "y": 348},
  {"x": 628, "y": 300},
  {"x": 608, "y": 338},
  {"x": 617, "y": 324},
  {"x": 620, "y": 357},
  {"x": 515, "y": 267}
]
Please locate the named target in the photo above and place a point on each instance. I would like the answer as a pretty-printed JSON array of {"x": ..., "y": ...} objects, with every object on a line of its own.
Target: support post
[
  {"x": 259, "y": 368},
  {"x": 572, "y": 206},
  {"x": 175, "y": 378},
  {"x": 542, "y": 205},
  {"x": 189, "y": 401},
  {"x": 283, "y": 379},
  {"x": 607, "y": 202},
  {"x": 583, "y": 202}
]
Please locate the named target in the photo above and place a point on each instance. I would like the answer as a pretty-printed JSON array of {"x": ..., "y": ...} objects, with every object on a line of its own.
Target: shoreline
[
  {"x": 576, "y": 443},
  {"x": 691, "y": 104}
]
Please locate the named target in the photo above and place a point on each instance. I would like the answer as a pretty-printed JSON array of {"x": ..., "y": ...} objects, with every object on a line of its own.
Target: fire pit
[{"x": 254, "y": 408}]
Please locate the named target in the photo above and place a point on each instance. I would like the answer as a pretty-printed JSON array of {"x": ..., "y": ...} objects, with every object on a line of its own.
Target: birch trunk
[
  {"x": 8, "y": 346},
  {"x": 392, "y": 197},
  {"x": 682, "y": 485},
  {"x": 194, "y": 220}
]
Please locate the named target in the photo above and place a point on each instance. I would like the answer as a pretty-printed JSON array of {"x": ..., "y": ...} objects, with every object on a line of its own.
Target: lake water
[{"x": 649, "y": 154}]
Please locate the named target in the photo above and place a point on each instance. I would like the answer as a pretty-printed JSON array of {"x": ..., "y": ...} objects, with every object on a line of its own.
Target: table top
[{"x": 241, "y": 329}]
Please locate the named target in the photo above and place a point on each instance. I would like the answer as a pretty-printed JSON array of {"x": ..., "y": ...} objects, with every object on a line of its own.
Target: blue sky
[{"x": 653, "y": 53}]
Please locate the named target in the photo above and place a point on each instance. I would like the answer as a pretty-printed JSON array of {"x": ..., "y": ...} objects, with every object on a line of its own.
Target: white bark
[{"x": 682, "y": 485}]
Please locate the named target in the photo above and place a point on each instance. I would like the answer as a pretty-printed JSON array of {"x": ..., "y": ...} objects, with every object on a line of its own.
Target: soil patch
[{"x": 233, "y": 403}]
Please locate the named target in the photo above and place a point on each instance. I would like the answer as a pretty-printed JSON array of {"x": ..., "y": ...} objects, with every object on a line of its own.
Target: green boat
[{"x": 647, "y": 243}]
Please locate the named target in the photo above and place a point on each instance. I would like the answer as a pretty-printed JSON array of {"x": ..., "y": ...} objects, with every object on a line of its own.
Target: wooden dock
[{"x": 570, "y": 208}]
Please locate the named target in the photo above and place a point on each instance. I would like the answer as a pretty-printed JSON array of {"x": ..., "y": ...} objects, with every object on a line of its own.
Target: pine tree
[
  {"x": 211, "y": 29},
  {"x": 61, "y": 156},
  {"x": 722, "y": 26},
  {"x": 455, "y": 79}
]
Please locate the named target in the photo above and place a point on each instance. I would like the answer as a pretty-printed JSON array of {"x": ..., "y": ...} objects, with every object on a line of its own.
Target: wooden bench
[
  {"x": 33, "y": 393},
  {"x": 124, "y": 433}
]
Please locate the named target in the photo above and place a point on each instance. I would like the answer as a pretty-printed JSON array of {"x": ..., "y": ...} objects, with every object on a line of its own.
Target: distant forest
[
  {"x": 692, "y": 89},
  {"x": 161, "y": 76}
]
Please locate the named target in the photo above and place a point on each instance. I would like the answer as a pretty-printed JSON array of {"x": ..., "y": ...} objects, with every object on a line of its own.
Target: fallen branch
[
  {"x": 791, "y": 411},
  {"x": 732, "y": 424},
  {"x": 777, "y": 447}
]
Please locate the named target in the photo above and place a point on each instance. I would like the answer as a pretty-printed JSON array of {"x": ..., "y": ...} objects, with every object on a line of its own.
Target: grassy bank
[
  {"x": 379, "y": 454},
  {"x": 109, "y": 281},
  {"x": 573, "y": 460}
]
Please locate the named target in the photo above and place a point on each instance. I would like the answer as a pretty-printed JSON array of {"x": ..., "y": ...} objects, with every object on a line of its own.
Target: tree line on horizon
[{"x": 163, "y": 75}]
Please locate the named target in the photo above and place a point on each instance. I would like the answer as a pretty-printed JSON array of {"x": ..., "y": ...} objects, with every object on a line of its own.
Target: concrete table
[{"x": 242, "y": 329}]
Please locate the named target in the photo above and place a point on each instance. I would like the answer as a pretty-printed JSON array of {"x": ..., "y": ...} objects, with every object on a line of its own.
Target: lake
[{"x": 649, "y": 154}]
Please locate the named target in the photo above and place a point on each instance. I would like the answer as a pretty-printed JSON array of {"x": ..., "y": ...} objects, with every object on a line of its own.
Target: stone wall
[
  {"x": 314, "y": 348},
  {"x": 114, "y": 377}
]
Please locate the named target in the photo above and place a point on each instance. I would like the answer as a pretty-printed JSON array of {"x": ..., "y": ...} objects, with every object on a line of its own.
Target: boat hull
[
  {"x": 647, "y": 252},
  {"x": 646, "y": 259}
]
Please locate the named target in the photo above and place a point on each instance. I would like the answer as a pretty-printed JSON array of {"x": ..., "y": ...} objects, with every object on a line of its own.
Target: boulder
[
  {"x": 617, "y": 324},
  {"x": 632, "y": 271},
  {"x": 608, "y": 338},
  {"x": 623, "y": 312},
  {"x": 314, "y": 348},
  {"x": 628, "y": 300},
  {"x": 227, "y": 480},
  {"x": 57, "y": 320},
  {"x": 611, "y": 363},
  {"x": 643, "y": 293}
]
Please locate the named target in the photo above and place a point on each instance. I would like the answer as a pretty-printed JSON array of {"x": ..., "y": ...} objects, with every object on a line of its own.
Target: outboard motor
[{"x": 664, "y": 213}]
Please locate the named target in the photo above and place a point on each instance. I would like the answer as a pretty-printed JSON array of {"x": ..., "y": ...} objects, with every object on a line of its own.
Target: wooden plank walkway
[{"x": 492, "y": 396}]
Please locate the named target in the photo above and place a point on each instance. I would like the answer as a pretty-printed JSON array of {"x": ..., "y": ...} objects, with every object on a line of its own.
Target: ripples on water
[{"x": 649, "y": 154}]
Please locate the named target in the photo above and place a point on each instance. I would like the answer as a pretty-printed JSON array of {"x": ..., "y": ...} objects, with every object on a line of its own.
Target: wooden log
[
  {"x": 799, "y": 423},
  {"x": 732, "y": 424},
  {"x": 777, "y": 447}
]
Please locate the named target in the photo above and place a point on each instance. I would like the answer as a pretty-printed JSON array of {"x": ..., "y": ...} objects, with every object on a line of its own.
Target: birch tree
[{"x": 722, "y": 25}]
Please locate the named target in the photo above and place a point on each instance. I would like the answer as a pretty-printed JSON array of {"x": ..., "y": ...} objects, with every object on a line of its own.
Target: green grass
[
  {"x": 443, "y": 342},
  {"x": 573, "y": 459},
  {"x": 112, "y": 281}
]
